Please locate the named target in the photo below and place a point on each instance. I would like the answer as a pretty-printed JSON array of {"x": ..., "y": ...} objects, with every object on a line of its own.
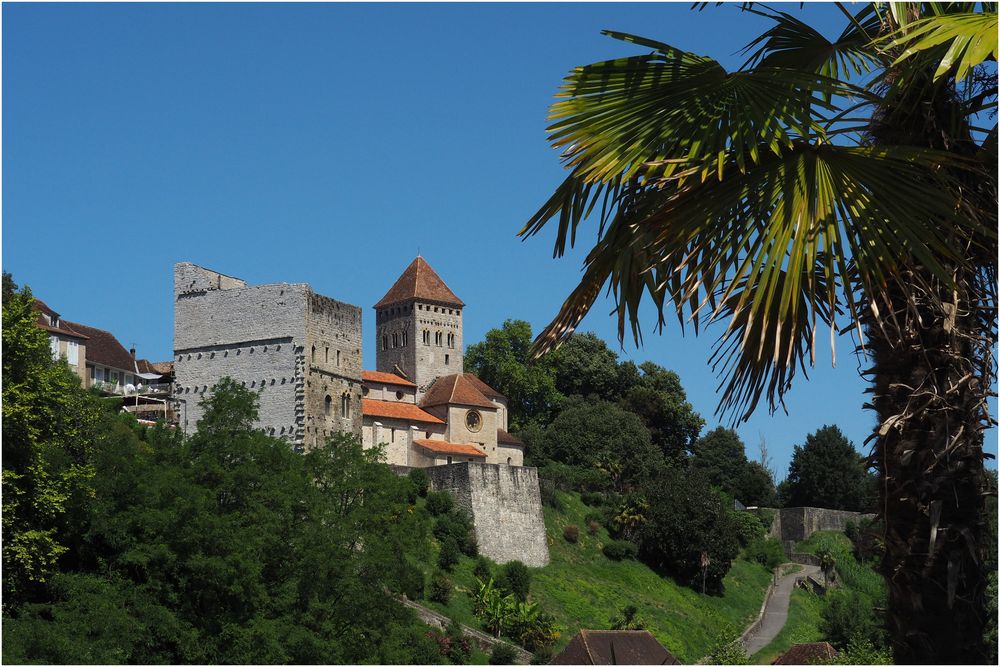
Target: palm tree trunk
[{"x": 930, "y": 376}]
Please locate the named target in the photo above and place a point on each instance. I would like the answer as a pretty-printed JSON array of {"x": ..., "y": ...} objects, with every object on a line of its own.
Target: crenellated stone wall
[{"x": 505, "y": 506}]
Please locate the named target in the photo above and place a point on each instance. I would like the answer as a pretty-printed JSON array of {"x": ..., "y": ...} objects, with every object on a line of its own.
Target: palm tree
[
  {"x": 843, "y": 184},
  {"x": 827, "y": 563}
]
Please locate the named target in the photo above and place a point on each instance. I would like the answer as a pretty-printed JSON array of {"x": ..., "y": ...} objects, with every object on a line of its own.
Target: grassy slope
[{"x": 583, "y": 589}]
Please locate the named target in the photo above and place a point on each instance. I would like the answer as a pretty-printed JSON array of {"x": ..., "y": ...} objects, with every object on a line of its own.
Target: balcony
[{"x": 114, "y": 389}]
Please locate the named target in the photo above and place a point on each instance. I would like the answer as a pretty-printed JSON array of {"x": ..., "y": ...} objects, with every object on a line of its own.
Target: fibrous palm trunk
[{"x": 931, "y": 374}]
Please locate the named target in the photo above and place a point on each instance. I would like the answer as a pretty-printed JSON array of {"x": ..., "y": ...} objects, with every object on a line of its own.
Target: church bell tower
[{"x": 418, "y": 327}]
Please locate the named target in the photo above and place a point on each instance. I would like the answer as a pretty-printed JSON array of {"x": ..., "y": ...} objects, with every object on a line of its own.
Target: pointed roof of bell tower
[{"x": 419, "y": 281}]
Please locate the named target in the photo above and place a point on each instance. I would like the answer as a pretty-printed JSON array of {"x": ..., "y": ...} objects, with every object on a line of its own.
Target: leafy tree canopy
[{"x": 828, "y": 472}]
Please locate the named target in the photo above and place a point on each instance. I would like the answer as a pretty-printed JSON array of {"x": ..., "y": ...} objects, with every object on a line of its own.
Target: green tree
[
  {"x": 720, "y": 454},
  {"x": 503, "y": 361},
  {"x": 50, "y": 426},
  {"x": 597, "y": 435},
  {"x": 585, "y": 366},
  {"x": 684, "y": 520},
  {"x": 840, "y": 184},
  {"x": 659, "y": 399},
  {"x": 828, "y": 472}
]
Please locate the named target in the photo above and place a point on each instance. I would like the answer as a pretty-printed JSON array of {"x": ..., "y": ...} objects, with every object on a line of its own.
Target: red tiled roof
[
  {"x": 396, "y": 410},
  {"x": 419, "y": 281},
  {"x": 484, "y": 389},
  {"x": 455, "y": 389},
  {"x": 503, "y": 437},
  {"x": 614, "y": 647},
  {"x": 164, "y": 367},
  {"x": 385, "y": 378},
  {"x": 62, "y": 327},
  {"x": 443, "y": 447},
  {"x": 806, "y": 654},
  {"x": 103, "y": 348}
]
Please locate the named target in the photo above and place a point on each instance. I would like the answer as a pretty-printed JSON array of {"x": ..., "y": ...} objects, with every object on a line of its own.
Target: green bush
[
  {"x": 620, "y": 550},
  {"x": 419, "y": 479},
  {"x": 593, "y": 528},
  {"x": 548, "y": 495},
  {"x": 515, "y": 578},
  {"x": 592, "y": 498},
  {"x": 503, "y": 654},
  {"x": 441, "y": 588},
  {"x": 459, "y": 648},
  {"x": 849, "y": 616},
  {"x": 455, "y": 525},
  {"x": 748, "y": 527},
  {"x": 439, "y": 502},
  {"x": 482, "y": 570},
  {"x": 767, "y": 551},
  {"x": 571, "y": 533},
  {"x": 412, "y": 582},
  {"x": 450, "y": 554}
]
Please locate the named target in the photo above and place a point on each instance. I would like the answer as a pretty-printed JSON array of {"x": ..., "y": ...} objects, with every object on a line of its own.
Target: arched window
[
  {"x": 345, "y": 405},
  {"x": 314, "y": 353},
  {"x": 327, "y": 406},
  {"x": 338, "y": 357},
  {"x": 427, "y": 337},
  {"x": 385, "y": 342},
  {"x": 395, "y": 340},
  {"x": 404, "y": 339}
]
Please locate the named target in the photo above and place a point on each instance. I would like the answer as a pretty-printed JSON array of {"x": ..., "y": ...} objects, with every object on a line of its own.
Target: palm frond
[
  {"x": 791, "y": 43},
  {"x": 769, "y": 251},
  {"x": 965, "y": 41}
]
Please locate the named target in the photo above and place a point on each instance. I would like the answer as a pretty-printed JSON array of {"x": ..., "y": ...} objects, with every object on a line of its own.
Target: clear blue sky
[{"x": 328, "y": 144}]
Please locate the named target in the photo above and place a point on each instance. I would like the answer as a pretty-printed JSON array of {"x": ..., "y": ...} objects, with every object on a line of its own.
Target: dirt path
[{"x": 776, "y": 611}]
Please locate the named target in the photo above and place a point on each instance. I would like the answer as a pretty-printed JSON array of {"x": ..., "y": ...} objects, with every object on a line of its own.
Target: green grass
[
  {"x": 804, "y": 617},
  {"x": 582, "y": 588},
  {"x": 860, "y": 577}
]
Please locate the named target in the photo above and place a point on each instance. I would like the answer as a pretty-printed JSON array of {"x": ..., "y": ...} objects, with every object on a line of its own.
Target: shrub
[
  {"x": 849, "y": 616},
  {"x": 459, "y": 648},
  {"x": 455, "y": 525},
  {"x": 627, "y": 619},
  {"x": 419, "y": 479},
  {"x": 547, "y": 493},
  {"x": 482, "y": 570},
  {"x": 439, "y": 502},
  {"x": 620, "y": 550},
  {"x": 593, "y": 527},
  {"x": 748, "y": 527},
  {"x": 767, "y": 551},
  {"x": 571, "y": 533},
  {"x": 515, "y": 578},
  {"x": 449, "y": 556},
  {"x": 503, "y": 654},
  {"x": 441, "y": 588},
  {"x": 412, "y": 582},
  {"x": 592, "y": 498},
  {"x": 598, "y": 516},
  {"x": 542, "y": 656}
]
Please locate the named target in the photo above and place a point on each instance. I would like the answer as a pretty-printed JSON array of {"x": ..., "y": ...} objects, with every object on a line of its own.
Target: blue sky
[{"x": 329, "y": 144}]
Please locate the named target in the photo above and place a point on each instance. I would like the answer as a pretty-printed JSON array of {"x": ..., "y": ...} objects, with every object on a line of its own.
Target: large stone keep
[{"x": 300, "y": 351}]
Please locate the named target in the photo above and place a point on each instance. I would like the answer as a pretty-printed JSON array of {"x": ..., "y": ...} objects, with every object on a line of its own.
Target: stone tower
[
  {"x": 299, "y": 351},
  {"x": 418, "y": 327}
]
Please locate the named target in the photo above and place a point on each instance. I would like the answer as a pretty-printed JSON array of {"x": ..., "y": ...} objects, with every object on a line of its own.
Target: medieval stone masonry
[{"x": 301, "y": 353}]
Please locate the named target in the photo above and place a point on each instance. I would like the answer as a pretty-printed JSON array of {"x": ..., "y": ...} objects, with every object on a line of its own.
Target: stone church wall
[{"x": 505, "y": 506}]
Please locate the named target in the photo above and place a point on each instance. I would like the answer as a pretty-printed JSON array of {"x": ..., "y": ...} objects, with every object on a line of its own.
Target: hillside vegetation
[{"x": 582, "y": 588}]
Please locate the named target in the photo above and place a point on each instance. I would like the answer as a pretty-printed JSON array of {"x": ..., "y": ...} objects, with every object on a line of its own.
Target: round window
[{"x": 473, "y": 420}]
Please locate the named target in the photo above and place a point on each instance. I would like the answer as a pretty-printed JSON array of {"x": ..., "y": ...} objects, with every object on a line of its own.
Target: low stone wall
[
  {"x": 504, "y": 504},
  {"x": 482, "y": 640},
  {"x": 795, "y": 524}
]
